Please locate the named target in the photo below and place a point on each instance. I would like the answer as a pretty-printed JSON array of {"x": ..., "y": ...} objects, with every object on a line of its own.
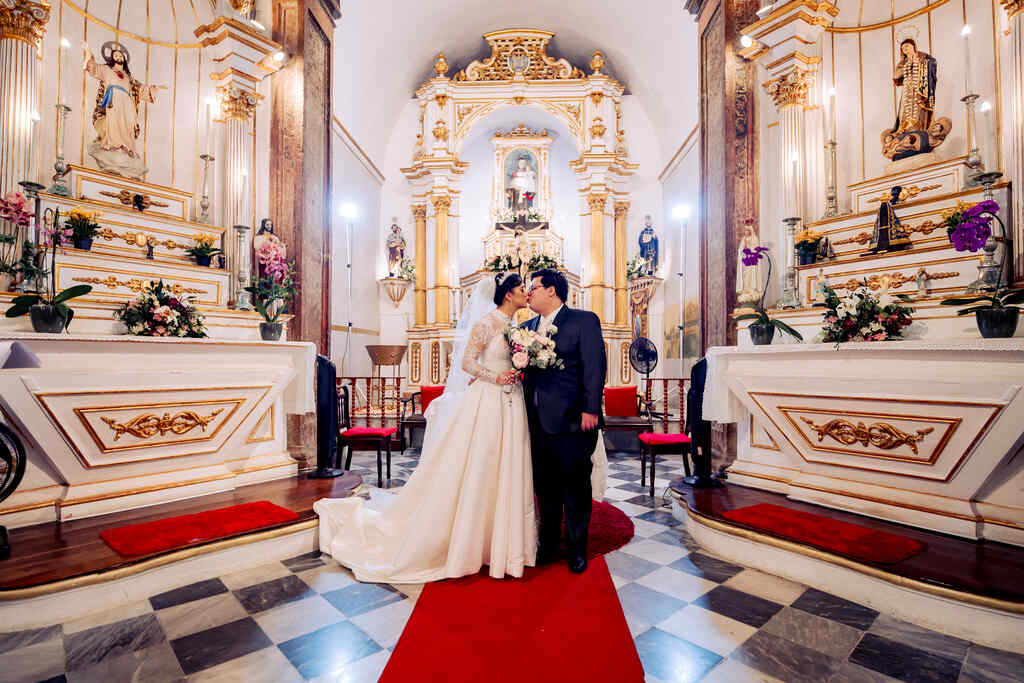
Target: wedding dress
[{"x": 470, "y": 500}]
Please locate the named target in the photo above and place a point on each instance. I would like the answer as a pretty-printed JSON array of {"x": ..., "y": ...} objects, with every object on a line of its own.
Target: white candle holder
[
  {"x": 791, "y": 292},
  {"x": 831, "y": 203},
  {"x": 973, "y": 153},
  {"x": 60, "y": 166},
  {"x": 243, "y": 300},
  {"x": 204, "y": 201}
]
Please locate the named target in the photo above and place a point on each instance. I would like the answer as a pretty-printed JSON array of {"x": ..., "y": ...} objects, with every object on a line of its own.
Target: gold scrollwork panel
[
  {"x": 435, "y": 362},
  {"x": 156, "y": 424},
  {"x": 415, "y": 363},
  {"x": 878, "y": 434},
  {"x": 625, "y": 369},
  {"x": 148, "y": 425}
]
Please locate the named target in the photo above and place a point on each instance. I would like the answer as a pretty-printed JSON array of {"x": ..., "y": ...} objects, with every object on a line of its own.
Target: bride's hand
[{"x": 508, "y": 377}]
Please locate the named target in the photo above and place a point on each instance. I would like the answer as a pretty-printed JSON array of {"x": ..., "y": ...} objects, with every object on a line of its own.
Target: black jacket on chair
[
  {"x": 326, "y": 411},
  {"x": 556, "y": 399}
]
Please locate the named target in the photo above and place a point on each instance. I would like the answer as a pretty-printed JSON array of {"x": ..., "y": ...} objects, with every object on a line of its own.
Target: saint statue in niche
[
  {"x": 521, "y": 180},
  {"x": 916, "y": 130},
  {"x": 889, "y": 234},
  {"x": 116, "y": 114},
  {"x": 396, "y": 248},
  {"x": 649, "y": 246}
]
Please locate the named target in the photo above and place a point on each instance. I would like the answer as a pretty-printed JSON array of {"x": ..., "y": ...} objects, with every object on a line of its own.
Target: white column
[
  {"x": 237, "y": 107},
  {"x": 22, "y": 25},
  {"x": 1015, "y": 120}
]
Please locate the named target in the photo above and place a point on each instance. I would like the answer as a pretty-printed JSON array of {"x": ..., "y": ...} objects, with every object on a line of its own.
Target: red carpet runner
[
  {"x": 175, "y": 532},
  {"x": 550, "y": 625},
  {"x": 849, "y": 540}
]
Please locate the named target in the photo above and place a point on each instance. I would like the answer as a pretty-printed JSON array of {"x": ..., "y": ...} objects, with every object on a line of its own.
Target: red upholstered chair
[
  {"x": 361, "y": 436},
  {"x": 410, "y": 421},
  {"x": 662, "y": 444},
  {"x": 624, "y": 410}
]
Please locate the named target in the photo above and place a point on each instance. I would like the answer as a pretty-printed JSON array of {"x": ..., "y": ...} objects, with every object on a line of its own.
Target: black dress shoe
[{"x": 578, "y": 565}]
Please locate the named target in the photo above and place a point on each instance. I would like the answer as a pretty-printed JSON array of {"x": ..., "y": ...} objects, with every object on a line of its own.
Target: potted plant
[
  {"x": 48, "y": 311},
  {"x": 203, "y": 250},
  {"x": 636, "y": 267},
  {"x": 83, "y": 227},
  {"x": 14, "y": 208},
  {"x": 862, "y": 316},
  {"x": 969, "y": 227},
  {"x": 29, "y": 268},
  {"x": 763, "y": 330},
  {"x": 270, "y": 296},
  {"x": 807, "y": 246},
  {"x": 406, "y": 269},
  {"x": 159, "y": 312},
  {"x": 994, "y": 312}
]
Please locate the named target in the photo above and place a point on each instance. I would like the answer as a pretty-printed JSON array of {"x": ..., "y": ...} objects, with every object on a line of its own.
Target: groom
[{"x": 564, "y": 411}]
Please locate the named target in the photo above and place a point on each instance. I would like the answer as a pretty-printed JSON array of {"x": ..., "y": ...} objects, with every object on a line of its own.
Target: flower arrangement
[
  {"x": 407, "y": 269},
  {"x": 636, "y": 267},
  {"x": 862, "y": 316},
  {"x": 270, "y": 255},
  {"x": 272, "y": 291},
  {"x": 807, "y": 242},
  {"x": 14, "y": 207},
  {"x": 763, "y": 329},
  {"x": 501, "y": 264},
  {"x": 83, "y": 227},
  {"x": 528, "y": 196},
  {"x": 158, "y": 312},
  {"x": 542, "y": 261},
  {"x": 532, "y": 349},
  {"x": 203, "y": 250},
  {"x": 969, "y": 227}
]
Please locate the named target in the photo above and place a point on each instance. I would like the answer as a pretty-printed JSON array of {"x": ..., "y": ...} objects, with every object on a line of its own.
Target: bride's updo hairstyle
[{"x": 503, "y": 284}]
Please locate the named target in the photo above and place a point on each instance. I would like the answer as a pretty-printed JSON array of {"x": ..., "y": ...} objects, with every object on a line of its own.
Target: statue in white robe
[{"x": 749, "y": 279}]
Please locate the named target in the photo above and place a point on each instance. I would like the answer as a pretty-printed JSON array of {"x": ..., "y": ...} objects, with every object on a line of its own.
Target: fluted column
[
  {"x": 597, "y": 200},
  {"x": 442, "y": 287},
  {"x": 237, "y": 108},
  {"x": 419, "y": 214},
  {"x": 1015, "y": 119},
  {"x": 22, "y": 25},
  {"x": 790, "y": 92},
  {"x": 621, "y": 292}
]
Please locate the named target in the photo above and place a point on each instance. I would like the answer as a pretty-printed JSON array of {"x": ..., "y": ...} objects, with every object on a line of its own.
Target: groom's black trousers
[{"x": 561, "y": 478}]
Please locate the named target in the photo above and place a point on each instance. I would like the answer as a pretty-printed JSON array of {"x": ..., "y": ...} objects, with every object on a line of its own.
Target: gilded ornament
[
  {"x": 893, "y": 280},
  {"x": 136, "y": 285},
  {"x": 435, "y": 362},
  {"x": 621, "y": 209},
  {"x": 141, "y": 202},
  {"x": 1013, "y": 8},
  {"x": 596, "y": 200},
  {"x": 442, "y": 203},
  {"x": 519, "y": 55},
  {"x": 905, "y": 193},
  {"x": 790, "y": 89},
  {"x": 441, "y": 130},
  {"x": 441, "y": 65},
  {"x": 24, "y": 20},
  {"x": 138, "y": 239},
  {"x": 880, "y": 434},
  {"x": 598, "y": 129},
  {"x": 521, "y": 131},
  {"x": 596, "y": 98},
  {"x": 925, "y": 228},
  {"x": 414, "y": 363},
  {"x": 419, "y": 212},
  {"x": 149, "y": 425},
  {"x": 242, "y": 6},
  {"x": 442, "y": 100},
  {"x": 597, "y": 62},
  {"x": 519, "y": 100},
  {"x": 236, "y": 104}
]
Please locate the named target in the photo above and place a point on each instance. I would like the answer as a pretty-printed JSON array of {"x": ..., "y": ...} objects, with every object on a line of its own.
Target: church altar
[
  {"x": 112, "y": 423},
  {"x": 918, "y": 432}
]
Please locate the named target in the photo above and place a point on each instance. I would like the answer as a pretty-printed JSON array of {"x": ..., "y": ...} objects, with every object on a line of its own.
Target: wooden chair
[
  {"x": 624, "y": 410},
  {"x": 654, "y": 444},
  {"x": 426, "y": 394},
  {"x": 361, "y": 436}
]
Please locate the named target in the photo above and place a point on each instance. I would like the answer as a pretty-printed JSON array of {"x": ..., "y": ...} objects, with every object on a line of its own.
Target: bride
[{"x": 470, "y": 500}]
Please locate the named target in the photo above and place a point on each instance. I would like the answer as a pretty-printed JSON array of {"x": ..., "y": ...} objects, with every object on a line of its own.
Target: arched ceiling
[
  {"x": 869, "y": 13},
  {"x": 163, "y": 22},
  {"x": 384, "y": 50}
]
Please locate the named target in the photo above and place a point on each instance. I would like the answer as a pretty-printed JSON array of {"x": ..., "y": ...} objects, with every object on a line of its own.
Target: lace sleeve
[{"x": 479, "y": 337}]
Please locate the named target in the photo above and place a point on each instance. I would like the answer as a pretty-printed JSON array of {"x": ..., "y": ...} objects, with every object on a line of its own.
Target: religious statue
[
  {"x": 116, "y": 114},
  {"x": 889, "y": 234},
  {"x": 520, "y": 250},
  {"x": 820, "y": 284},
  {"x": 922, "y": 282},
  {"x": 825, "y": 250},
  {"x": 522, "y": 180},
  {"x": 748, "y": 278},
  {"x": 916, "y": 130},
  {"x": 396, "y": 248},
  {"x": 267, "y": 246},
  {"x": 649, "y": 246}
]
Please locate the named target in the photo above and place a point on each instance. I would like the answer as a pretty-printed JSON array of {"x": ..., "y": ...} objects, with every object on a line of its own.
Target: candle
[
  {"x": 965, "y": 32},
  {"x": 985, "y": 136},
  {"x": 209, "y": 126},
  {"x": 834, "y": 110},
  {"x": 64, "y": 70}
]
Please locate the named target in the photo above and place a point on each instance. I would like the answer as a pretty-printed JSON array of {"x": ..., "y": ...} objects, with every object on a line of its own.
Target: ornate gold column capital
[
  {"x": 24, "y": 20},
  {"x": 441, "y": 65},
  {"x": 419, "y": 212},
  {"x": 236, "y": 104},
  {"x": 621, "y": 209},
  {"x": 1014, "y": 8},
  {"x": 442, "y": 203},
  {"x": 440, "y": 130},
  {"x": 242, "y": 6},
  {"x": 790, "y": 89},
  {"x": 596, "y": 200},
  {"x": 598, "y": 129}
]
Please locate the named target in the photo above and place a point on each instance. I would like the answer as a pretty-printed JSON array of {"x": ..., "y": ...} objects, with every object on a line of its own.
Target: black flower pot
[
  {"x": 761, "y": 333},
  {"x": 84, "y": 243},
  {"x": 997, "y": 322},
  {"x": 270, "y": 331},
  {"x": 46, "y": 318},
  {"x": 806, "y": 257},
  {"x": 204, "y": 260}
]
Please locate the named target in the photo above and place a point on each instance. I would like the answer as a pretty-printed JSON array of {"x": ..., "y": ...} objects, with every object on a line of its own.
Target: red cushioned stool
[
  {"x": 361, "y": 436},
  {"x": 663, "y": 444}
]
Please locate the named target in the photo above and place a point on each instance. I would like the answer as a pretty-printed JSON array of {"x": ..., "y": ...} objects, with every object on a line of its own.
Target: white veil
[{"x": 442, "y": 409}]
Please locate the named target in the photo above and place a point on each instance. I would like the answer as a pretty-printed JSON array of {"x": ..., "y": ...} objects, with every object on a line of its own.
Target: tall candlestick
[
  {"x": 965, "y": 32},
  {"x": 834, "y": 110},
  {"x": 209, "y": 127},
  {"x": 65, "y": 70},
  {"x": 989, "y": 154}
]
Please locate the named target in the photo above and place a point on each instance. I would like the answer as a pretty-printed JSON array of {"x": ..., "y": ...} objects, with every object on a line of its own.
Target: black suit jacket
[{"x": 556, "y": 399}]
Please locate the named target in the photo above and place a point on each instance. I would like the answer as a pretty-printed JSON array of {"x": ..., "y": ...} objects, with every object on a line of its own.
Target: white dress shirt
[{"x": 545, "y": 320}]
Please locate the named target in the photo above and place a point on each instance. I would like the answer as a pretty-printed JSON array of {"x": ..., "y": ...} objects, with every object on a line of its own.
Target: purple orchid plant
[
  {"x": 751, "y": 257},
  {"x": 975, "y": 226}
]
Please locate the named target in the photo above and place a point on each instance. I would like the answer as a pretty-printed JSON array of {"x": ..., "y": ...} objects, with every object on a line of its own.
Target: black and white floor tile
[{"x": 694, "y": 617}]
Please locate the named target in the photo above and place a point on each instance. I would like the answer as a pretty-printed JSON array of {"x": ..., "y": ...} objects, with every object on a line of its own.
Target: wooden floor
[
  {"x": 45, "y": 553},
  {"x": 985, "y": 568}
]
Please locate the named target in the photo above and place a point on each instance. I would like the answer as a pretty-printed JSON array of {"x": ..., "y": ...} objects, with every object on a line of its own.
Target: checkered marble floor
[{"x": 693, "y": 617}]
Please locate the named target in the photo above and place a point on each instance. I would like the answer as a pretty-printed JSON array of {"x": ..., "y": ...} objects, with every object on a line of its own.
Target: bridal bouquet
[{"x": 532, "y": 349}]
